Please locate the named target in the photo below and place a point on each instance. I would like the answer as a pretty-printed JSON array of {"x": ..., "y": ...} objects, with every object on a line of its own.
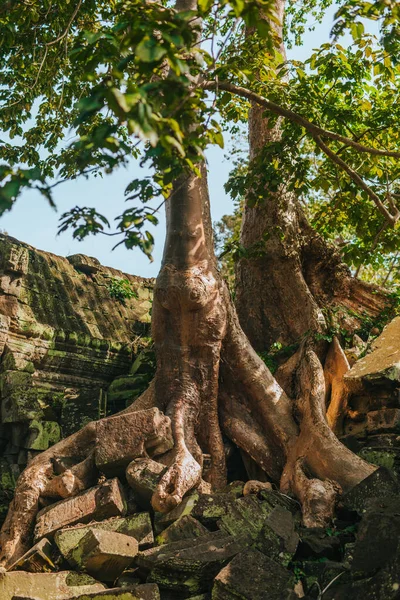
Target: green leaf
[{"x": 150, "y": 50}]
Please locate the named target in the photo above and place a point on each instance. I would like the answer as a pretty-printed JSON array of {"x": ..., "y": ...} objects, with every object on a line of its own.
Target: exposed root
[
  {"x": 318, "y": 498},
  {"x": 336, "y": 392}
]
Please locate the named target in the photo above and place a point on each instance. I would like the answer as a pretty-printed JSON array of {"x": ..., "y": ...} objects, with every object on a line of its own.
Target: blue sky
[{"x": 33, "y": 221}]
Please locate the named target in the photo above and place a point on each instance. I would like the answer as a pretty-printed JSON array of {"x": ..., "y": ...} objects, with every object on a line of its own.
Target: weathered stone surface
[
  {"x": 42, "y": 434},
  {"x": 251, "y": 576},
  {"x": 100, "y": 502},
  {"x": 122, "y": 438},
  {"x": 46, "y": 586},
  {"x": 278, "y": 538},
  {"x": 143, "y": 476},
  {"x": 317, "y": 544},
  {"x": 146, "y": 591},
  {"x": 185, "y": 528},
  {"x": 380, "y": 484},
  {"x": 63, "y": 340},
  {"x": 383, "y": 363},
  {"x": 104, "y": 554},
  {"x": 189, "y": 565},
  {"x": 37, "y": 560},
  {"x": 137, "y": 526},
  {"x": 163, "y": 520},
  {"x": 387, "y": 419},
  {"x": 378, "y": 535}
]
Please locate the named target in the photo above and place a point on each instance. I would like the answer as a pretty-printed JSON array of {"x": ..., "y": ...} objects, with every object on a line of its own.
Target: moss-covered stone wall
[{"x": 64, "y": 338}]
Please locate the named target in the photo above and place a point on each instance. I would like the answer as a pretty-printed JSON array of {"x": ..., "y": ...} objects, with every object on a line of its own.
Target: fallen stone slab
[
  {"x": 143, "y": 476},
  {"x": 378, "y": 535},
  {"x": 137, "y": 526},
  {"x": 122, "y": 438},
  {"x": 252, "y": 576},
  {"x": 383, "y": 362},
  {"x": 97, "y": 503},
  {"x": 185, "y": 528},
  {"x": 164, "y": 520},
  {"x": 46, "y": 586},
  {"x": 278, "y": 538},
  {"x": 146, "y": 591},
  {"x": 380, "y": 484},
  {"x": 37, "y": 560},
  {"x": 104, "y": 554},
  {"x": 188, "y": 566}
]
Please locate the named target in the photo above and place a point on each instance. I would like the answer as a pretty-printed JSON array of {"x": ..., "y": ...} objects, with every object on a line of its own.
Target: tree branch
[
  {"x": 392, "y": 219},
  {"x": 295, "y": 117}
]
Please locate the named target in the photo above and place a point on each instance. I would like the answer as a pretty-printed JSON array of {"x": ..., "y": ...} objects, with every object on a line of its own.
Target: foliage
[
  {"x": 121, "y": 289},
  {"x": 126, "y": 80}
]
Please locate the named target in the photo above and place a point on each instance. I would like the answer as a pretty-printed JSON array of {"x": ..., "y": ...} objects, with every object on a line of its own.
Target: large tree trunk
[
  {"x": 210, "y": 382},
  {"x": 297, "y": 272}
]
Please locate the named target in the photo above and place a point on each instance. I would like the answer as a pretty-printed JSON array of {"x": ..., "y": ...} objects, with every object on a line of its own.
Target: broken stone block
[
  {"x": 137, "y": 526},
  {"x": 251, "y": 576},
  {"x": 188, "y": 566},
  {"x": 46, "y": 586},
  {"x": 277, "y": 538},
  {"x": 104, "y": 554},
  {"x": 378, "y": 534},
  {"x": 122, "y": 438},
  {"x": 37, "y": 560},
  {"x": 185, "y": 528},
  {"x": 145, "y": 591},
  {"x": 382, "y": 364},
  {"x": 143, "y": 476},
  {"x": 97, "y": 503},
  {"x": 380, "y": 484},
  {"x": 42, "y": 434},
  {"x": 387, "y": 419},
  {"x": 163, "y": 520},
  {"x": 317, "y": 544}
]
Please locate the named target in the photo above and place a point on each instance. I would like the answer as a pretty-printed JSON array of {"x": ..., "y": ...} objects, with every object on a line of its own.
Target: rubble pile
[{"x": 245, "y": 542}]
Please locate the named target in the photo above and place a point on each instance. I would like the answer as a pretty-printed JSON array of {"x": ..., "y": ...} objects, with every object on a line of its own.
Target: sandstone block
[
  {"x": 185, "y": 528},
  {"x": 143, "y": 476},
  {"x": 104, "y": 554},
  {"x": 277, "y": 538},
  {"x": 46, "y": 586},
  {"x": 42, "y": 434},
  {"x": 122, "y": 438},
  {"x": 146, "y": 591},
  {"x": 137, "y": 526},
  {"x": 251, "y": 576},
  {"x": 380, "y": 484},
  {"x": 387, "y": 419},
  {"x": 188, "y": 566},
  {"x": 97, "y": 503},
  {"x": 37, "y": 560}
]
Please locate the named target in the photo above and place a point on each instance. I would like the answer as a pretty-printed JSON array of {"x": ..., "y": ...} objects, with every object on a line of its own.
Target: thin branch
[
  {"x": 358, "y": 180},
  {"x": 62, "y": 36},
  {"x": 295, "y": 117}
]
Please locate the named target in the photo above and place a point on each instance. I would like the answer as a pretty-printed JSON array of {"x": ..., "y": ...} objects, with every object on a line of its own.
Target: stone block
[
  {"x": 95, "y": 504},
  {"x": 46, "y": 586},
  {"x": 387, "y": 419},
  {"x": 145, "y": 591},
  {"x": 42, "y": 434},
  {"x": 185, "y": 528},
  {"x": 278, "y": 538},
  {"x": 37, "y": 560},
  {"x": 122, "y": 438},
  {"x": 251, "y": 576},
  {"x": 104, "y": 554},
  {"x": 188, "y": 566},
  {"x": 378, "y": 534},
  {"x": 380, "y": 484},
  {"x": 137, "y": 526},
  {"x": 143, "y": 476},
  {"x": 163, "y": 520}
]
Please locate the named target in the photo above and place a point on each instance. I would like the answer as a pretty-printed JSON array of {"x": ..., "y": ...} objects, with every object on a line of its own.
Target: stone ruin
[{"x": 67, "y": 350}]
